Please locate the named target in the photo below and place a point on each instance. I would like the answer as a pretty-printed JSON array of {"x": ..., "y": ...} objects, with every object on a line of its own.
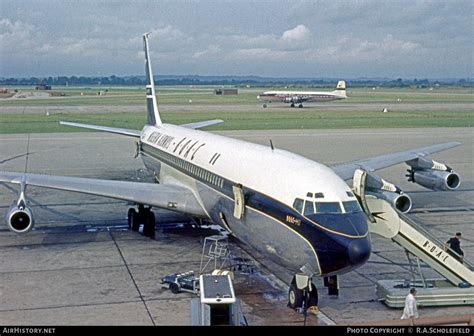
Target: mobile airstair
[{"x": 457, "y": 286}]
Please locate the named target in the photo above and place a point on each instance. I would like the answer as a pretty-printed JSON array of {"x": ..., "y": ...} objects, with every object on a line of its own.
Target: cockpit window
[
  {"x": 328, "y": 207},
  {"x": 298, "y": 205},
  {"x": 308, "y": 208},
  {"x": 352, "y": 206}
]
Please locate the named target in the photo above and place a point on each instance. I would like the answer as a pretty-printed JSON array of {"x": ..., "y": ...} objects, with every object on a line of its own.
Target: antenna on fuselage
[{"x": 271, "y": 145}]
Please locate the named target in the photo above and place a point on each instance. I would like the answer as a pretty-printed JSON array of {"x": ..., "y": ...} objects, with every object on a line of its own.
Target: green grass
[
  {"x": 363, "y": 109},
  {"x": 263, "y": 119}
]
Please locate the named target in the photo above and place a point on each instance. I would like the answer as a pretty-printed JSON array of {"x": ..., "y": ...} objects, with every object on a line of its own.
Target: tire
[
  {"x": 174, "y": 288},
  {"x": 264, "y": 105},
  {"x": 295, "y": 297},
  {"x": 128, "y": 217},
  {"x": 149, "y": 227},
  {"x": 313, "y": 296},
  {"x": 300, "y": 105},
  {"x": 133, "y": 220}
]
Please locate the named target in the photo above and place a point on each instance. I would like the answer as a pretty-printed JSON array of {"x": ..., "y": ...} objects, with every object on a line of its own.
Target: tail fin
[
  {"x": 341, "y": 88},
  {"x": 151, "y": 105}
]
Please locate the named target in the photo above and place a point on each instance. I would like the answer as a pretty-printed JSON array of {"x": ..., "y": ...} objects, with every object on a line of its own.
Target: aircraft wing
[
  {"x": 346, "y": 170},
  {"x": 171, "y": 197}
]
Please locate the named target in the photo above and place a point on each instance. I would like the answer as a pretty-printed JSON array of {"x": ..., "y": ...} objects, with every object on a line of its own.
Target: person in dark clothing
[{"x": 455, "y": 245}]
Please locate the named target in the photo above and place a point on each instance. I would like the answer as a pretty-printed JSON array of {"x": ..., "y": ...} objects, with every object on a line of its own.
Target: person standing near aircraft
[
  {"x": 455, "y": 245},
  {"x": 410, "y": 311}
]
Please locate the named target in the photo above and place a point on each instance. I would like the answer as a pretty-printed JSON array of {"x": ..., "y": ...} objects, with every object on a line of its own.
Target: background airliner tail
[
  {"x": 341, "y": 88},
  {"x": 151, "y": 105}
]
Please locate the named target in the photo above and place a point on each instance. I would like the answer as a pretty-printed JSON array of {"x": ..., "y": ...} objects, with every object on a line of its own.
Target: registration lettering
[{"x": 293, "y": 220}]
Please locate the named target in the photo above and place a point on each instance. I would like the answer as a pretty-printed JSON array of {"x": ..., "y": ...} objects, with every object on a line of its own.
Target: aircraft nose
[{"x": 359, "y": 251}]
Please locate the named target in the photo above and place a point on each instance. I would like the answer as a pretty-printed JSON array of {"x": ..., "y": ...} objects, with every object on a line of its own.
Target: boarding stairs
[{"x": 458, "y": 286}]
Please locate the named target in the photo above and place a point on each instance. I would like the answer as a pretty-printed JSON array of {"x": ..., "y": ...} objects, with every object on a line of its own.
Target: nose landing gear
[{"x": 303, "y": 294}]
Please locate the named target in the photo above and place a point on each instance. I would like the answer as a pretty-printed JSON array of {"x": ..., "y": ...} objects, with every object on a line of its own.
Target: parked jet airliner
[
  {"x": 296, "y": 211},
  {"x": 299, "y": 97}
]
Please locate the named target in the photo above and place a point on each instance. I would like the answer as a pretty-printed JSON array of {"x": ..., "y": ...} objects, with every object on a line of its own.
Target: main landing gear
[
  {"x": 303, "y": 294},
  {"x": 299, "y": 105},
  {"x": 143, "y": 216}
]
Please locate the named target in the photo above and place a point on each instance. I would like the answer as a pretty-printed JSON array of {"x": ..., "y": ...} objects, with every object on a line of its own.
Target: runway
[{"x": 82, "y": 266}]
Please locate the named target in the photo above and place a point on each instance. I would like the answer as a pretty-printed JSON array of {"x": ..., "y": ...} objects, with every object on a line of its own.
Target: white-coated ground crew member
[{"x": 410, "y": 311}]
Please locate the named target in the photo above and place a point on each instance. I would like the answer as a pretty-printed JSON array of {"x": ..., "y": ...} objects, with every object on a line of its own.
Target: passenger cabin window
[
  {"x": 352, "y": 206},
  {"x": 328, "y": 207},
  {"x": 298, "y": 205}
]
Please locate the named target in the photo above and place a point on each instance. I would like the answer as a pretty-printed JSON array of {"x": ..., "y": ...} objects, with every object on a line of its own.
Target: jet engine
[
  {"x": 19, "y": 218},
  {"x": 378, "y": 187},
  {"x": 432, "y": 175}
]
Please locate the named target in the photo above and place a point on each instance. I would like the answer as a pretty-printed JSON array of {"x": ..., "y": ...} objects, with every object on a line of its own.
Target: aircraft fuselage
[{"x": 218, "y": 169}]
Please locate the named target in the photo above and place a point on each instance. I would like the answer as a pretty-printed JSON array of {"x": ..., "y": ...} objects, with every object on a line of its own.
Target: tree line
[{"x": 225, "y": 80}]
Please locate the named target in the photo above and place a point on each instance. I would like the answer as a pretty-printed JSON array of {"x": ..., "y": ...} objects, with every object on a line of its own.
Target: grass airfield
[{"x": 125, "y": 107}]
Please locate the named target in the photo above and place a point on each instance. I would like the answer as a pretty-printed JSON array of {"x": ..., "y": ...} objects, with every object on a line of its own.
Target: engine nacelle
[
  {"x": 435, "y": 179},
  {"x": 401, "y": 202},
  {"x": 432, "y": 175},
  {"x": 19, "y": 219},
  {"x": 378, "y": 187}
]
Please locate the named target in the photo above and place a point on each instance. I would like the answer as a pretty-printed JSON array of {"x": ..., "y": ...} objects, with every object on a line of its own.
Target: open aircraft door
[
  {"x": 358, "y": 186},
  {"x": 239, "y": 201},
  {"x": 383, "y": 218}
]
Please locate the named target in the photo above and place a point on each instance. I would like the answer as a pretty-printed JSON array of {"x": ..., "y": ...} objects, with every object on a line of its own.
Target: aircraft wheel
[
  {"x": 295, "y": 297},
  {"x": 292, "y": 105},
  {"x": 149, "y": 227},
  {"x": 300, "y": 105},
  {"x": 133, "y": 221},
  {"x": 174, "y": 288},
  {"x": 264, "y": 105},
  {"x": 313, "y": 296}
]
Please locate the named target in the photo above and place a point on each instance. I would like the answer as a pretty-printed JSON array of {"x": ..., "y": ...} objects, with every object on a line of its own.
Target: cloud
[
  {"x": 17, "y": 35},
  {"x": 211, "y": 51},
  {"x": 424, "y": 38},
  {"x": 298, "y": 34}
]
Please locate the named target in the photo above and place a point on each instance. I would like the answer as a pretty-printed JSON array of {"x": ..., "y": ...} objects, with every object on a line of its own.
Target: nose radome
[{"x": 359, "y": 251}]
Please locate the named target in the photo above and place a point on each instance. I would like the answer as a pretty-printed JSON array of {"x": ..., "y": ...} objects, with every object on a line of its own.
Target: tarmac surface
[{"x": 81, "y": 266}]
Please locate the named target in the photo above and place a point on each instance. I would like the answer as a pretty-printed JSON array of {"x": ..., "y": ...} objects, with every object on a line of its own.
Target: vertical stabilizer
[
  {"x": 341, "y": 88},
  {"x": 151, "y": 105}
]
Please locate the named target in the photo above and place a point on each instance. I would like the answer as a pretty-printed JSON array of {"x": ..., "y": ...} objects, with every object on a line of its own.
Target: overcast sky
[{"x": 335, "y": 38}]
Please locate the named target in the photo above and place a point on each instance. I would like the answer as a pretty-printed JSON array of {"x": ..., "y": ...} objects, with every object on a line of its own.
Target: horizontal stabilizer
[
  {"x": 201, "y": 124},
  {"x": 123, "y": 131}
]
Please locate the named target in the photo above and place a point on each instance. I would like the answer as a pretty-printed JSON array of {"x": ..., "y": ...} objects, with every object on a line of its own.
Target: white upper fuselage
[
  {"x": 302, "y": 96},
  {"x": 277, "y": 173}
]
